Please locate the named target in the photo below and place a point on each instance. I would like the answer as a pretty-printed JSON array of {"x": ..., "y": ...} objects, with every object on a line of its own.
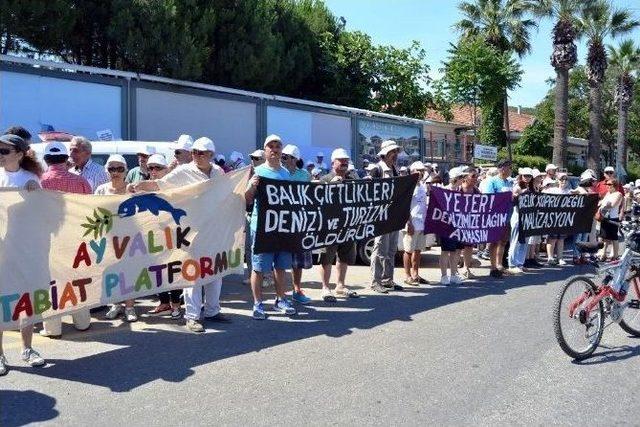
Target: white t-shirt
[
  {"x": 419, "y": 207},
  {"x": 187, "y": 174},
  {"x": 106, "y": 189},
  {"x": 17, "y": 179}
]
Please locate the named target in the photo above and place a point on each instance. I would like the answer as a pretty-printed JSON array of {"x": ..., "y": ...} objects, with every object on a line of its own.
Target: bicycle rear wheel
[
  {"x": 630, "y": 321},
  {"x": 578, "y": 335}
]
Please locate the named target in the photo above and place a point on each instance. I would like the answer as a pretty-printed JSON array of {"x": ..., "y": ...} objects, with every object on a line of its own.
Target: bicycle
[{"x": 582, "y": 306}]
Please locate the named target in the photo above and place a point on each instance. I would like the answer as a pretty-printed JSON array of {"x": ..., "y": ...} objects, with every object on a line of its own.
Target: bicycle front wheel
[
  {"x": 630, "y": 321},
  {"x": 578, "y": 333}
]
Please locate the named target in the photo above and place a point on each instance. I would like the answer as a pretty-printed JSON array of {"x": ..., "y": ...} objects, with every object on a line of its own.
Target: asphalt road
[{"x": 480, "y": 354}]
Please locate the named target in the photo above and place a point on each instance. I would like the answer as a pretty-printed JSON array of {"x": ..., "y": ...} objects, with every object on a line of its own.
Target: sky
[{"x": 398, "y": 22}]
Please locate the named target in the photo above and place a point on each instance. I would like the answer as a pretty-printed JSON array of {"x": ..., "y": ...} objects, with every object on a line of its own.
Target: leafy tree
[{"x": 535, "y": 140}]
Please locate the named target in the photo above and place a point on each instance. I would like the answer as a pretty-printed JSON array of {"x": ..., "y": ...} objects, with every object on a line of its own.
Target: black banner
[
  {"x": 302, "y": 216},
  {"x": 563, "y": 214}
]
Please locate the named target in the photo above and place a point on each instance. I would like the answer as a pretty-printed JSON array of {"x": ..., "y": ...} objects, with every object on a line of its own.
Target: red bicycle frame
[{"x": 603, "y": 292}]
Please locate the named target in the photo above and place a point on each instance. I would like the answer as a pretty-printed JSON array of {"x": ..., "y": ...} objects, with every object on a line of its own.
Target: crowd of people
[{"x": 72, "y": 170}]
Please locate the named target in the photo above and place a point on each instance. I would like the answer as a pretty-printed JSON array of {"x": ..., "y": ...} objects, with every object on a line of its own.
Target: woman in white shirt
[
  {"x": 117, "y": 169},
  {"x": 18, "y": 169},
  {"x": 610, "y": 209}
]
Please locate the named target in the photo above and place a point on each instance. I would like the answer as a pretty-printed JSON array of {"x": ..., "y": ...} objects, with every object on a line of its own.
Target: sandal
[
  {"x": 411, "y": 281},
  {"x": 422, "y": 281},
  {"x": 346, "y": 292},
  {"x": 327, "y": 296}
]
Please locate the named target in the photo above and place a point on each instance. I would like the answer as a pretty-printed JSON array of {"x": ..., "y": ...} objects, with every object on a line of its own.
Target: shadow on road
[
  {"x": 19, "y": 408},
  {"x": 610, "y": 355},
  {"x": 171, "y": 355}
]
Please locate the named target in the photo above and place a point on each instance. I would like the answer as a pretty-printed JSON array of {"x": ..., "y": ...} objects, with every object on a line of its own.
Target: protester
[
  {"x": 556, "y": 242},
  {"x": 602, "y": 188},
  {"x": 236, "y": 160},
  {"x": 140, "y": 172},
  {"x": 551, "y": 171},
  {"x": 80, "y": 153},
  {"x": 256, "y": 158},
  {"x": 182, "y": 151},
  {"x": 300, "y": 260},
  {"x": 469, "y": 186},
  {"x": 585, "y": 185},
  {"x": 414, "y": 240},
  {"x": 199, "y": 170},
  {"x": 58, "y": 178},
  {"x": 18, "y": 170},
  {"x": 491, "y": 173},
  {"x": 221, "y": 161},
  {"x": 316, "y": 174},
  {"x": 169, "y": 301},
  {"x": 403, "y": 171},
  {"x": 450, "y": 248},
  {"x": 345, "y": 253},
  {"x": 116, "y": 167},
  {"x": 518, "y": 251},
  {"x": 386, "y": 245},
  {"x": 310, "y": 166},
  {"x": 534, "y": 241},
  {"x": 609, "y": 207},
  {"x": 320, "y": 164},
  {"x": 268, "y": 261},
  {"x": 498, "y": 184}
]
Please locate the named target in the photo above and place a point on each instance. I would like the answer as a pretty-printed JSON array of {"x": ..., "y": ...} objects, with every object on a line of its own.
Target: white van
[{"x": 128, "y": 149}]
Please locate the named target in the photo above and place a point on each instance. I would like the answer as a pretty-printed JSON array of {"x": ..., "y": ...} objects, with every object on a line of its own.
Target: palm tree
[
  {"x": 625, "y": 60},
  {"x": 564, "y": 57},
  {"x": 597, "y": 23},
  {"x": 504, "y": 25}
]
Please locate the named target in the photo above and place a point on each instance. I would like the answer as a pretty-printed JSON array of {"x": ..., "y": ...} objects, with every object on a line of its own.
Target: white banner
[
  {"x": 62, "y": 252},
  {"x": 485, "y": 152}
]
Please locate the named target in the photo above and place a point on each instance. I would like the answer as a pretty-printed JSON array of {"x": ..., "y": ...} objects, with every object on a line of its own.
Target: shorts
[
  {"x": 346, "y": 253},
  {"x": 417, "y": 242},
  {"x": 450, "y": 245},
  {"x": 302, "y": 260},
  {"x": 267, "y": 261},
  {"x": 609, "y": 231}
]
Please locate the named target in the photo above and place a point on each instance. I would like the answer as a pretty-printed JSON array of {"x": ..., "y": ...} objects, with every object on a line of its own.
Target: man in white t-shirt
[
  {"x": 414, "y": 240},
  {"x": 320, "y": 164},
  {"x": 200, "y": 169}
]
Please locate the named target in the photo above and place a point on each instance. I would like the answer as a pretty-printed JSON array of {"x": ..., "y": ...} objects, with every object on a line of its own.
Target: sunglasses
[
  {"x": 199, "y": 153},
  {"x": 286, "y": 157},
  {"x": 115, "y": 169},
  {"x": 608, "y": 173},
  {"x": 564, "y": 179},
  {"x": 179, "y": 152},
  {"x": 144, "y": 156},
  {"x": 609, "y": 184},
  {"x": 5, "y": 151},
  {"x": 156, "y": 168}
]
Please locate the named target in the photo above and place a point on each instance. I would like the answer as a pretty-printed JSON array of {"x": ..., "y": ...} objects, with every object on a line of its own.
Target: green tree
[
  {"x": 598, "y": 22},
  {"x": 535, "y": 140}
]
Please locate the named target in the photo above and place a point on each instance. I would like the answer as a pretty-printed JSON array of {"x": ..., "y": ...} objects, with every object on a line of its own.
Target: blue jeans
[{"x": 582, "y": 237}]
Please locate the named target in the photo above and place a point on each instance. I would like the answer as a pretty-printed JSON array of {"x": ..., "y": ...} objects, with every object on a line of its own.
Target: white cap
[
  {"x": 609, "y": 169},
  {"x": 386, "y": 146},
  {"x": 310, "y": 163},
  {"x": 417, "y": 166},
  {"x": 316, "y": 171},
  {"x": 627, "y": 186},
  {"x": 116, "y": 158},
  {"x": 535, "y": 172},
  {"x": 365, "y": 161},
  {"x": 272, "y": 138},
  {"x": 184, "y": 142},
  {"x": 636, "y": 191},
  {"x": 235, "y": 156},
  {"x": 146, "y": 150},
  {"x": 339, "y": 153},
  {"x": 157, "y": 159},
  {"x": 258, "y": 153},
  {"x": 458, "y": 172},
  {"x": 204, "y": 144},
  {"x": 525, "y": 171},
  {"x": 351, "y": 167},
  {"x": 320, "y": 154},
  {"x": 291, "y": 150},
  {"x": 586, "y": 176},
  {"x": 548, "y": 181},
  {"x": 55, "y": 148},
  {"x": 404, "y": 168},
  {"x": 221, "y": 157},
  {"x": 550, "y": 166}
]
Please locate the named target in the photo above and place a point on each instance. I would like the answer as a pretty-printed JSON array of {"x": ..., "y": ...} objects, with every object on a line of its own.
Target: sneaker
[
  {"x": 445, "y": 280},
  {"x": 393, "y": 286},
  {"x": 258, "y": 311},
  {"x": 467, "y": 274},
  {"x": 495, "y": 273},
  {"x": 551, "y": 262},
  {"x": 300, "y": 298},
  {"x": 3, "y": 365},
  {"x": 284, "y": 306},
  {"x": 455, "y": 279},
  {"x": 176, "y": 314},
  {"x": 44, "y": 333},
  {"x": 161, "y": 310},
  {"x": 327, "y": 296},
  {"x": 194, "y": 326},
  {"x": 422, "y": 281},
  {"x": 562, "y": 262},
  {"x": 114, "y": 311},
  {"x": 130, "y": 314},
  {"x": 377, "y": 287},
  {"x": 32, "y": 358},
  {"x": 515, "y": 270},
  {"x": 412, "y": 281}
]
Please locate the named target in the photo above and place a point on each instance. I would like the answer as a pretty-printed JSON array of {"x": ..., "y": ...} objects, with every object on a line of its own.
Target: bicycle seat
[{"x": 589, "y": 248}]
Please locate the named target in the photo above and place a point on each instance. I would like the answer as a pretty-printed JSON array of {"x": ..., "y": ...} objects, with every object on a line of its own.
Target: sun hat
[
  {"x": 417, "y": 166},
  {"x": 272, "y": 138},
  {"x": 115, "y": 158},
  {"x": 291, "y": 150},
  {"x": 257, "y": 154},
  {"x": 339, "y": 153},
  {"x": 56, "y": 148},
  {"x": 236, "y": 156},
  {"x": 387, "y": 146},
  {"x": 147, "y": 150},
  {"x": 525, "y": 171},
  {"x": 204, "y": 144},
  {"x": 550, "y": 166},
  {"x": 609, "y": 169},
  {"x": 157, "y": 159},
  {"x": 15, "y": 140},
  {"x": 184, "y": 142}
]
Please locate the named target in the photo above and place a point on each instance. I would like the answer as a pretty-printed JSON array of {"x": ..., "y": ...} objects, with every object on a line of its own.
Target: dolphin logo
[{"x": 151, "y": 203}]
